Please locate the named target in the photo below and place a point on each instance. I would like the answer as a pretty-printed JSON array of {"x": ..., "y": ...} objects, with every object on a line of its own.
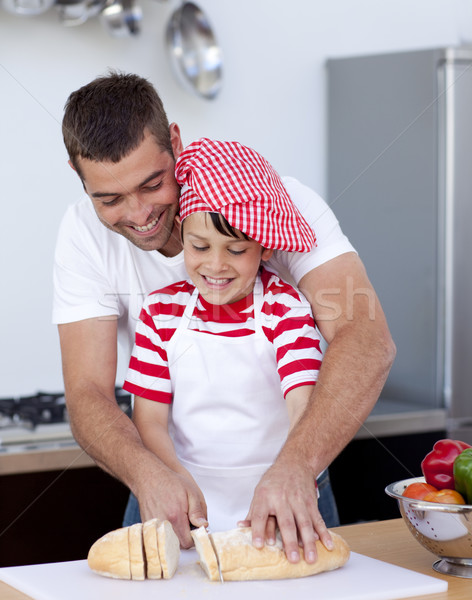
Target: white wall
[{"x": 272, "y": 99}]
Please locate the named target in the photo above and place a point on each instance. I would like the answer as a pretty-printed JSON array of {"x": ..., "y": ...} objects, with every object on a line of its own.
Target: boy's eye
[
  {"x": 199, "y": 248},
  {"x": 236, "y": 252}
]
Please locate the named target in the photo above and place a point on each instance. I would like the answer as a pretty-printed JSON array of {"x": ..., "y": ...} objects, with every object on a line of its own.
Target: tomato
[
  {"x": 445, "y": 496},
  {"x": 418, "y": 490}
]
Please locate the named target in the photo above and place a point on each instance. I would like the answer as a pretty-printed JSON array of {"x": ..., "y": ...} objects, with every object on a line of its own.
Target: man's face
[{"x": 138, "y": 197}]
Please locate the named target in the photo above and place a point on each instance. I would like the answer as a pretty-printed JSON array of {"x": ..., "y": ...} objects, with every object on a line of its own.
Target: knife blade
[{"x": 216, "y": 554}]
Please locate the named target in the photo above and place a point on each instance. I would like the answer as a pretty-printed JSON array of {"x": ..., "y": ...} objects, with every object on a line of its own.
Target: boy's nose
[{"x": 218, "y": 262}]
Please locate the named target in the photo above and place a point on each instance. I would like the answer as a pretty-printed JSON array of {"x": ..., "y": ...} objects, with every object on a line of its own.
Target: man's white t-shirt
[{"x": 98, "y": 273}]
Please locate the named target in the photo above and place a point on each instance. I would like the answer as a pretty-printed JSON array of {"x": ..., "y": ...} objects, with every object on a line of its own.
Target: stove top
[
  {"x": 30, "y": 411},
  {"x": 41, "y": 421}
]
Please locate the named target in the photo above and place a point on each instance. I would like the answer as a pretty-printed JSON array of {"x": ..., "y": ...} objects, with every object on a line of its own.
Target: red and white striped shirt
[{"x": 286, "y": 321}]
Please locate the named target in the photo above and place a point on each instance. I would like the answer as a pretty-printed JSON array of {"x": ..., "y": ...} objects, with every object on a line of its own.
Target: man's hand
[
  {"x": 286, "y": 497},
  {"x": 178, "y": 499}
]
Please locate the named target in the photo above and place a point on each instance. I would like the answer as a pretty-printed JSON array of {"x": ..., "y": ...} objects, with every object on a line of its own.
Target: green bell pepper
[{"x": 463, "y": 474}]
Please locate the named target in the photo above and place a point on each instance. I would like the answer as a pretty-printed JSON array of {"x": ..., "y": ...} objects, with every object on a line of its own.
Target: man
[{"x": 124, "y": 150}]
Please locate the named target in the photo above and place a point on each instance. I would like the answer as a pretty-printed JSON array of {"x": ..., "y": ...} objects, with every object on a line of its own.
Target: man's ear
[
  {"x": 176, "y": 140},
  {"x": 80, "y": 177},
  {"x": 266, "y": 253}
]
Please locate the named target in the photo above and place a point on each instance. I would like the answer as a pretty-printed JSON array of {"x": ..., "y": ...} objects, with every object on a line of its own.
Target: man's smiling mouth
[{"x": 147, "y": 227}]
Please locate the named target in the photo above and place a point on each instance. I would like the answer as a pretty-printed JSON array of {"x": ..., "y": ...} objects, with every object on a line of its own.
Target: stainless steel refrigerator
[{"x": 400, "y": 181}]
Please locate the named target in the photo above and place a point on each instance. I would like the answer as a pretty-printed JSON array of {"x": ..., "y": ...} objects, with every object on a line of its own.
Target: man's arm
[
  {"x": 89, "y": 355},
  {"x": 353, "y": 372}
]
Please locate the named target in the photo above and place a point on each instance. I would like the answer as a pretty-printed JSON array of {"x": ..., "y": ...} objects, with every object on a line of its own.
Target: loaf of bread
[
  {"x": 239, "y": 560},
  {"x": 152, "y": 550},
  {"x": 149, "y": 549}
]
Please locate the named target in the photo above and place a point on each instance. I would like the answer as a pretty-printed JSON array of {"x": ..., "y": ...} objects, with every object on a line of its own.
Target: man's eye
[
  {"x": 153, "y": 188},
  {"x": 111, "y": 202}
]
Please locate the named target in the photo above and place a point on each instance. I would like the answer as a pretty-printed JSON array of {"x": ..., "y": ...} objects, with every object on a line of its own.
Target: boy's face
[{"x": 222, "y": 268}]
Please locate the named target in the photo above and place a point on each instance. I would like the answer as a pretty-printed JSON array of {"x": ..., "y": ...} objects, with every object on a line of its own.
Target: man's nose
[{"x": 138, "y": 210}]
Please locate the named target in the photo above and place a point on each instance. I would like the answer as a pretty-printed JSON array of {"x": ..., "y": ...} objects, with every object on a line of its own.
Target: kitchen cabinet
[
  {"x": 51, "y": 516},
  {"x": 365, "y": 467}
]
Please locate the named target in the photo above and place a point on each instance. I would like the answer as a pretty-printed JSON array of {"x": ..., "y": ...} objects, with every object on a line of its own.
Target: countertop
[
  {"x": 387, "y": 418},
  {"x": 389, "y": 541},
  {"x": 67, "y": 456}
]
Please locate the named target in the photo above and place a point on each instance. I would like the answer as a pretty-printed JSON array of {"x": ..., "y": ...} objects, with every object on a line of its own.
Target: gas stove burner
[
  {"x": 30, "y": 411},
  {"x": 44, "y": 408},
  {"x": 7, "y": 410},
  {"x": 41, "y": 421}
]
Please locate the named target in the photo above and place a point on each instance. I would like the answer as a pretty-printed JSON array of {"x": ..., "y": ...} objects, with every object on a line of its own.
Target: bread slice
[
  {"x": 154, "y": 569},
  {"x": 149, "y": 550},
  {"x": 239, "y": 560},
  {"x": 136, "y": 551},
  {"x": 169, "y": 549},
  {"x": 110, "y": 556},
  {"x": 206, "y": 553}
]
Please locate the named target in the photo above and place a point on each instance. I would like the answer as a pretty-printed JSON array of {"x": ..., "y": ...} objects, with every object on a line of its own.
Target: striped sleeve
[
  {"x": 148, "y": 372},
  {"x": 288, "y": 323}
]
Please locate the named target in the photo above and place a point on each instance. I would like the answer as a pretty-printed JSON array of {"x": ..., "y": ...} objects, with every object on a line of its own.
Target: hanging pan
[{"x": 195, "y": 55}]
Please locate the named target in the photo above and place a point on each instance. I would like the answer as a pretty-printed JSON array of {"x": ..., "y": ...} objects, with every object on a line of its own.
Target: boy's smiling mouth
[{"x": 216, "y": 281}]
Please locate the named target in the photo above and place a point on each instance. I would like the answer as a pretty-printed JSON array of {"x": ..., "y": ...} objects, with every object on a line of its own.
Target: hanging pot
[
  {"x": 77, "y": 12},
  {"x": 27, "y": 7},
  {"x": 121, "y": 18},
  {"x": 195, "y": 55}
]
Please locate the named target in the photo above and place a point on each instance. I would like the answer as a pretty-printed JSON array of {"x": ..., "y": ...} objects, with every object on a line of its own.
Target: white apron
[{"x": 228, "y": 417}]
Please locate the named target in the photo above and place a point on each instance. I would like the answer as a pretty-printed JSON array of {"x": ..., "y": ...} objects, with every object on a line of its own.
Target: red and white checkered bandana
[{"x": 236, "y": 181}]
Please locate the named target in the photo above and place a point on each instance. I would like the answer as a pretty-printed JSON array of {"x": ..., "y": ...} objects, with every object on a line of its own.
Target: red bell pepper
[{"x": 437, "y": 466}]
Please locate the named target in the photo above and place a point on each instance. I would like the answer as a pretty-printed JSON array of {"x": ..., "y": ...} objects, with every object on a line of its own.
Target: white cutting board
[{"x": 362, "y": 578}]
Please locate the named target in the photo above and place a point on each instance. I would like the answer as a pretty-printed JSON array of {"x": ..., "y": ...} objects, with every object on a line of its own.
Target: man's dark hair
[{"x": 107, "y": 118}]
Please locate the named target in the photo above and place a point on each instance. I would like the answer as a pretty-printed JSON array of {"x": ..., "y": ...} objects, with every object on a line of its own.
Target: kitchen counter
[
  {"x": 388, "y": 418},
  {"x": 57, "y": 457},
  {"x": 389, "y": 541},
  {"x": 395, "y": 417}
]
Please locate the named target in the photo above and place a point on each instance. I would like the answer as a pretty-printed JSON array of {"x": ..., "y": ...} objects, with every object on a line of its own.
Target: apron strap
[
  {"x": 188, "y": 312},
  {"x": 257, "y": 299}
]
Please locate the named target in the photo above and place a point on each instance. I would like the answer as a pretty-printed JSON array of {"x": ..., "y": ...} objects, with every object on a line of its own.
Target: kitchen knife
[{"x": 216, "y": 555}]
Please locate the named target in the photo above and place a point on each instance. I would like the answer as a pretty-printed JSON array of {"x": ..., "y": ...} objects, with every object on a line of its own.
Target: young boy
[{"x": 225, "y": 362}]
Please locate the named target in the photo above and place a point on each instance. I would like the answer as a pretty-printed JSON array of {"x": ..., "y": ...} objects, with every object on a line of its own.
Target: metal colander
[{"x": 443, "y": 529}]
